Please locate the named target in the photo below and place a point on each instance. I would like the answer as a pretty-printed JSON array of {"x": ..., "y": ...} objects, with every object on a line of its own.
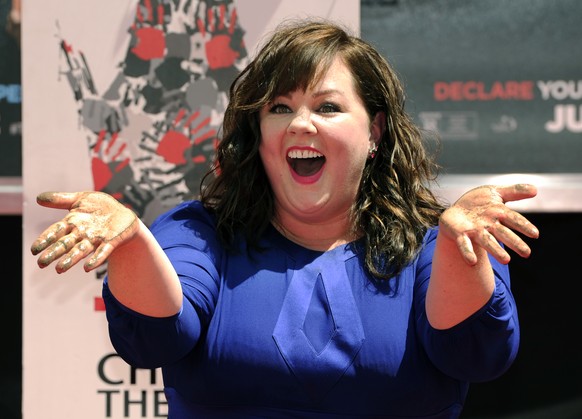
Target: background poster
[
  {"x": 10, "y": 95},
  {"x": 123, "y": 96},
  {"x": 500, "y": 81}
]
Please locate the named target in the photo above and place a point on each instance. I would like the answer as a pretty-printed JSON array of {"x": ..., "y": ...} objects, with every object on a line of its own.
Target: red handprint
[
  {"x": 149, "y": 30},
  {"x": 182, "y": 144},
  {"x": 223, "y": 48}
]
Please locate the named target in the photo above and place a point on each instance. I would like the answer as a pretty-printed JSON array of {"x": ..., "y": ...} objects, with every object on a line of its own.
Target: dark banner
[
  {"x": 500, "y": 81},
  {"x": 10, "y": 94}
]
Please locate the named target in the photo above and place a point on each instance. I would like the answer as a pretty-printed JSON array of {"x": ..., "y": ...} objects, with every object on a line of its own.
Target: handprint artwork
[{"x": 152, "y": 133}]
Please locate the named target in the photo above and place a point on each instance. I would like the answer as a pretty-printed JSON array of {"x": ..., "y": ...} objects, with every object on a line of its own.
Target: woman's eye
[
  {"x": 279, "y": 108},
  {"x": 328, "y": 108}
]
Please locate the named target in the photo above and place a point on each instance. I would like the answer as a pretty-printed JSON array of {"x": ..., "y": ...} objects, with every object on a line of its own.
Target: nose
[{"x": 302, "y": 123}]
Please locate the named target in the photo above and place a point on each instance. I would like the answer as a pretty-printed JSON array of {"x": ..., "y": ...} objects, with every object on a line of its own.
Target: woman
[{"x": 317, "y": 276}]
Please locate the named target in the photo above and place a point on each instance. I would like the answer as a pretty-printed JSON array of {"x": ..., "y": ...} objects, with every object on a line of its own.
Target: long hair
[{"x": 394, "y": 207}]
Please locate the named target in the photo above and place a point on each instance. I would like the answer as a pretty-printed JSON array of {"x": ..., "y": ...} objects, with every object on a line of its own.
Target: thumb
[
  {"x": 59, "y": 200},
  {"x": 516, "y": 191}
]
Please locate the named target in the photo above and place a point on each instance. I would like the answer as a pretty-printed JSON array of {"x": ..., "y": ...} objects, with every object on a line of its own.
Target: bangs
[
  {"x": 301, "y": 71},
  {"x": 295, "y": 59}
]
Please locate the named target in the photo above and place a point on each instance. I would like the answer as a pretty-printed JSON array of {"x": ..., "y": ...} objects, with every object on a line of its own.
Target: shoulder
[
  {"x": 186, "y": 219},
  {"x": 426, "y": 251},
  {"x": 188, "y": 210},
  {"x": 429, "y": 240}
]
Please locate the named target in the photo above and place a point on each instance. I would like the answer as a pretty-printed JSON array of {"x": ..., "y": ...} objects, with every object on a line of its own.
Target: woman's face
[{"x": 314, "y": 146}]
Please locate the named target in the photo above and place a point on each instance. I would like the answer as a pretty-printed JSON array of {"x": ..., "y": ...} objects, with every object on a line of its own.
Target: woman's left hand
[{"x": 481, "y": 218}]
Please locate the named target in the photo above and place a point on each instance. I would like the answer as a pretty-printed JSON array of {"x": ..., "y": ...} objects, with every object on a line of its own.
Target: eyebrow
[
  {"x": 327, "y": 92},
  {"x": 318, "y": 93}
]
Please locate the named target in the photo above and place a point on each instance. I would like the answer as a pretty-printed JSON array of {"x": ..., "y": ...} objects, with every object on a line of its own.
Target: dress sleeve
[
  {"x": 187, "y": 235},
  {"x": 480, "y": 348}
]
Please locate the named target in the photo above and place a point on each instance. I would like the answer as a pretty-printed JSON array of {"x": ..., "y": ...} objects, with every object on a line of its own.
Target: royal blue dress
[{"x": 287, "y": 332}]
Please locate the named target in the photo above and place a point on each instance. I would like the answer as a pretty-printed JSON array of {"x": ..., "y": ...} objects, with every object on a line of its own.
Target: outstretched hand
[
  {"x": 96, "y": 224},
  {"x": 481, "y": 218}
]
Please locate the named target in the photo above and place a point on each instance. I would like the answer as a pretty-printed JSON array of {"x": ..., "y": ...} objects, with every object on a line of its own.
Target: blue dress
[{"x": 286, "y": 332}]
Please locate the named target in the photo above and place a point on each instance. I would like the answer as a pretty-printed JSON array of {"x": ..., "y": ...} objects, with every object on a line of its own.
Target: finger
[
  {"x": 59, "y": 200},
  {"x": 77, "y": 253},
  {"x": 511, "y": 240},
  {"x": 490, "y": 243},
  {"x": 465, "y": 247},
  {"x": 516, "y": 191},
  {"x": 99, "y": 257},
  {"x": 56, "y": 250},
  {"x": 49, "y": 236},
  {"x": 518, "y": 222}
]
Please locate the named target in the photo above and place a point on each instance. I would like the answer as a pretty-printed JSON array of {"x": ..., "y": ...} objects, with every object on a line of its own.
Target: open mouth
[{"x": 305, "y": 162}]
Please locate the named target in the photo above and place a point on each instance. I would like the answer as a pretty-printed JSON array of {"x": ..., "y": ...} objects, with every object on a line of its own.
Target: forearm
[
  {"x": 141, "y": 277},
  {"x": 456, "y": 289}
]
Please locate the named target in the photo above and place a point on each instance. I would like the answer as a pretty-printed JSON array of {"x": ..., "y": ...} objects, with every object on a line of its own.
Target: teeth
[{"x": 303, "y": 154}]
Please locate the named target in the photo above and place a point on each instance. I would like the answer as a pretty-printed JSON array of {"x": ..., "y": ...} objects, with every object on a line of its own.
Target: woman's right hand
[{"x": 96, "y": 224}]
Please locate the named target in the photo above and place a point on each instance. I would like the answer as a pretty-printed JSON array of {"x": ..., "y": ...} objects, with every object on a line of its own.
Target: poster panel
[
  {"x": 10, "y": 111},
  {"x": 126, "y": 97},
  {"x": 10, "y": 94},
  {"x": 501, "y": 84}
]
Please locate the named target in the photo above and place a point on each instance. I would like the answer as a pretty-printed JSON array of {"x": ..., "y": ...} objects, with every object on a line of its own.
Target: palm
[
  {"x": 95, "y": 225},
  {"x": 480, "y": 217}
]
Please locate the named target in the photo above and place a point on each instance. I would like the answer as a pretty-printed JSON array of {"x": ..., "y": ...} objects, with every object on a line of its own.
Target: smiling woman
[
  {"x": 328, "y": 122},
  {"x": 317, "y": 275}
]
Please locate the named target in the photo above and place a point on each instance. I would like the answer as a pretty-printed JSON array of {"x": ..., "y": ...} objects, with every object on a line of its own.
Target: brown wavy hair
[{"x": 394, "y": 207}]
